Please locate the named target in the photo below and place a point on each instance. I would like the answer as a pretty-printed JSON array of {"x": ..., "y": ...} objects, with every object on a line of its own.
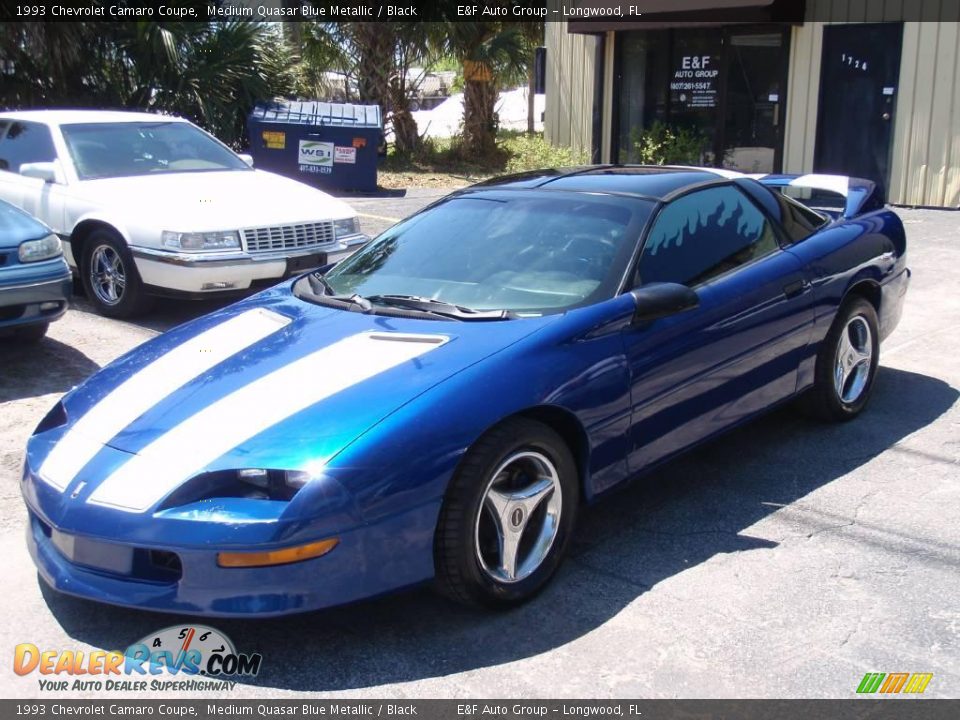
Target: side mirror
[
  {"x": 660, "y": 300},
  {"x": 248, "y": 159},
  {"x": 46, "y": 171}
]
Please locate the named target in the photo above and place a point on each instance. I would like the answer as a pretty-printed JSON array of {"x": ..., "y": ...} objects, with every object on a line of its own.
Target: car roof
[
  {"x": 654, "y": 182},
  {"x": 66, "y": 117}
]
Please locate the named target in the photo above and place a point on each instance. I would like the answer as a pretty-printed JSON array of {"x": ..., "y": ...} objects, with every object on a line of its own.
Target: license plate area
[{"x": 79, "y": 550}]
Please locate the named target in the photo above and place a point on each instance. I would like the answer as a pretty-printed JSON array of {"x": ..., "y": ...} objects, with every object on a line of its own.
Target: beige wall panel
[
  {"x": 803, "y": 97},
  {"x": 893, "y": 9},
  {"x": 942, "y": 116},
  {"x": 569, "y": 87}
]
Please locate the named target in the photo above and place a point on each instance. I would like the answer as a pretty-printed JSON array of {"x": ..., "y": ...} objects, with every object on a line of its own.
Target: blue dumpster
[{"x": 331, "y": 146}]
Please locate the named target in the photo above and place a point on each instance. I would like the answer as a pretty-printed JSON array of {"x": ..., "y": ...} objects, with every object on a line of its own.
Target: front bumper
[
  {"x": 185, "y": 578},
  {"x": 203, "y": 273},
  {"x": 42, "y": 300}
]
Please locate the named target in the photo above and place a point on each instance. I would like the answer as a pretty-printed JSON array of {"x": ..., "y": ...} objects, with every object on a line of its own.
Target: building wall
[
  {"x": 926, "y": 145},
  {"x": 568, "y": 117}
]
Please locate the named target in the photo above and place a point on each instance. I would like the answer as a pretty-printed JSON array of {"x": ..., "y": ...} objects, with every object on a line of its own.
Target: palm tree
[
  {"x": 375, "y": 57},
  {"x": 489, "y": 52}
]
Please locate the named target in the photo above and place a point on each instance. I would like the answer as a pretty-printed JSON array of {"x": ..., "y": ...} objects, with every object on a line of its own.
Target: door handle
[{"x": 798, "y": 287}]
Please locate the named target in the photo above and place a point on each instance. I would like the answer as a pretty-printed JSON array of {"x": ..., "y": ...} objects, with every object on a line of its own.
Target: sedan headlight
[
  {"x": 43, "y": 249},
  {"x": 195, "y": 242},
  {"x": 346, "y": 227}
]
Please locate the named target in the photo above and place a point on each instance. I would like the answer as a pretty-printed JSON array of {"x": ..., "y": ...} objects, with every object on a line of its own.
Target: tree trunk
[
  {"x": 406, "y": 137},
  {"x": 480, "y": 117},
  {"x": 375, "y": 65}
]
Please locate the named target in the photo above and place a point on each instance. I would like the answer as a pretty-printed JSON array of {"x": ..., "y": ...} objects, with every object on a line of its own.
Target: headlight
[
  {"x": 44, "y": 249},
  {"x": 346, "y": 227},
  {"x": 193, "y": 242}
]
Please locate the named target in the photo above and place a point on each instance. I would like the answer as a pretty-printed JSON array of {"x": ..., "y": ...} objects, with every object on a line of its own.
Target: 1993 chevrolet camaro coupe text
[{"x": 440, "y": 403}]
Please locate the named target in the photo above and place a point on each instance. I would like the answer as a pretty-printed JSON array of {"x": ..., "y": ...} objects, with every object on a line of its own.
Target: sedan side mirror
[
  {"x": 248, "y": 159},
  {"x": 660, "y": 300},
  {"x": 46, "y": 171}
]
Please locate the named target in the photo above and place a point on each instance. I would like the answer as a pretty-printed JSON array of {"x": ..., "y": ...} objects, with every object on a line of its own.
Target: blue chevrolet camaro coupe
[{"x": 438, "y": 405}]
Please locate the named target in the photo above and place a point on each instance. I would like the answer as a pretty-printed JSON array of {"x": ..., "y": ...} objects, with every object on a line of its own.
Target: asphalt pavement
[{"x": 786, "y": 559}]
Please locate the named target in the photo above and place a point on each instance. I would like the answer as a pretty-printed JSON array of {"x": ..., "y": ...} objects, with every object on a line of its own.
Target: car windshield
[
  {"x": 123, "y": 149},
  {"x": 524, "y": 252}
]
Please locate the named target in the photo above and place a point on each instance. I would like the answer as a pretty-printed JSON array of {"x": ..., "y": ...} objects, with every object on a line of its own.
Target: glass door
[{"x": 754, "y": 83}]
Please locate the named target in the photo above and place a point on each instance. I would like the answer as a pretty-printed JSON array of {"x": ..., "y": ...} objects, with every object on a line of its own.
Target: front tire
[
  {"x": 507, "y": 516},
  {"x": 110, "y": 278},
  {"x": 846, "y": 365}
]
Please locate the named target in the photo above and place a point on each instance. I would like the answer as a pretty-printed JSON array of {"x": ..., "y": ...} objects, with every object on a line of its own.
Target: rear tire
[
  {"x": 846, "y": 365},
  {"x": 507, "y": 516},
  {"x": 110, "y": 278}
]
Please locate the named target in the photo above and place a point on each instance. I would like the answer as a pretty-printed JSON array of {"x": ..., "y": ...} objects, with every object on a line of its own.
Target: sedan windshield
[
  {"x": 525, "y": 252},
  {"x": 123, "y": 149}
]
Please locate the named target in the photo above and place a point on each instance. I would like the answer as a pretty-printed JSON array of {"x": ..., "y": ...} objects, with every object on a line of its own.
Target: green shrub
[
  {"x": 663, "y": 144},
  {"x": 533, "y": 152}
]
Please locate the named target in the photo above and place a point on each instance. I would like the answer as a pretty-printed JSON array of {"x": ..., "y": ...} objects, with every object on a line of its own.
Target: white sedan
[{"x": 152, "y": 205}]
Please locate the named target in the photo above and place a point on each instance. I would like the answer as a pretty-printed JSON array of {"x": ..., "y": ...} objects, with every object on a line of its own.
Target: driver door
[{"x": 699, "y": 372}]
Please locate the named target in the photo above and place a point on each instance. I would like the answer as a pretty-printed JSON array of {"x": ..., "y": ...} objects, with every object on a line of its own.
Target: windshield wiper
[
  {"x": 439, "y": 307},
  {"x": 322, "y": 287}
]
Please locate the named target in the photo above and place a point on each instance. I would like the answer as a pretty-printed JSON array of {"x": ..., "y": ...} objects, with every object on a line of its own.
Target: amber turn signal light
[{"x": 276, "y": 557}]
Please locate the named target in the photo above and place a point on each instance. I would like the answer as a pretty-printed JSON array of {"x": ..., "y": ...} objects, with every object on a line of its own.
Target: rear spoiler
[{"x": 860, "y": 196}]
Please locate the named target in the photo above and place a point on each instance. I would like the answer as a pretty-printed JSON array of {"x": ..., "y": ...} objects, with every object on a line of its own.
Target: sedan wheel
[
  {"x": 108, "y": 277},
  {"x": 507, "y": 515}
]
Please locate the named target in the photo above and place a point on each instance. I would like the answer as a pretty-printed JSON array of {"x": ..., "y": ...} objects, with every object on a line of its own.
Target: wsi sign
[{"x": 315, "y": 153}]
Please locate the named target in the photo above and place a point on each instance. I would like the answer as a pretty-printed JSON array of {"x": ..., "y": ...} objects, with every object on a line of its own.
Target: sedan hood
[
  {"x": 222, "y": 200},
  {"x": 273, "y": 382}
]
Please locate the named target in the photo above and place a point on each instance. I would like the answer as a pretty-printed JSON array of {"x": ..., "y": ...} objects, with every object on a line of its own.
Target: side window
[
  {"x": 798, "y": 222},
  {"x": 26, "y": 142},
  {"x": 704, "y": 234}
]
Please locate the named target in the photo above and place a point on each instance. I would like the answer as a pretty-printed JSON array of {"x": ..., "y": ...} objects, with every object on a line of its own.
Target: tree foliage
[{"x": 211, "y": 73}]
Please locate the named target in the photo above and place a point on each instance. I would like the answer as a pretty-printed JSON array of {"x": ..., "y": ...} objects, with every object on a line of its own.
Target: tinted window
[
  {"x": 26, "y": 142},
  {"x": 798, "y": 221},
  {"x": 523, "y": 251},
  {"x": 104, "y": 150},
  {"x": 704, "y": 234}
]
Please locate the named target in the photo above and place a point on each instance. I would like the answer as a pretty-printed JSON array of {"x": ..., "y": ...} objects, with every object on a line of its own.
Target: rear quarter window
[{"x": 799, "y": 222}]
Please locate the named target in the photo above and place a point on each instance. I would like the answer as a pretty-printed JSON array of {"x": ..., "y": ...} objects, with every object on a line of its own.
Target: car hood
[
  {"x": 222, "y": 200},
  {"x": 17, "y": 226},
  {"x": 273, "y": 382}
]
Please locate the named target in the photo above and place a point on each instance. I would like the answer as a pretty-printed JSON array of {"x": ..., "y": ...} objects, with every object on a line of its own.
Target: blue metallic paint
[{"x": 389, "y": 445}]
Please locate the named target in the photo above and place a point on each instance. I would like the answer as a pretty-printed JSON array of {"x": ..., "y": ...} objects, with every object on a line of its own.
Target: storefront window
[{"x": 701, "y": 96}]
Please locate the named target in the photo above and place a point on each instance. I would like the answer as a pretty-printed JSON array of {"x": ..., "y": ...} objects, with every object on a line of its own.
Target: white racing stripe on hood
[
  {"x": 153, "y": 383},
  {"x": 175, "y": 457}
]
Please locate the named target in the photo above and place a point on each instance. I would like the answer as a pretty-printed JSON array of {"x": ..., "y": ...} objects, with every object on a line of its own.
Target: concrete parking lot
[{"x": 784, "y": 560}]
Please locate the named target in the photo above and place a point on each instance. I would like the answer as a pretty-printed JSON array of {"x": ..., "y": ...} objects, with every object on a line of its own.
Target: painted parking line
[{"x": 380, "y": 217}]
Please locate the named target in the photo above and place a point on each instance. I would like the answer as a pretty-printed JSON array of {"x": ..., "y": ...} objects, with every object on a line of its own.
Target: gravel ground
[{"x": 784, "y": 560}]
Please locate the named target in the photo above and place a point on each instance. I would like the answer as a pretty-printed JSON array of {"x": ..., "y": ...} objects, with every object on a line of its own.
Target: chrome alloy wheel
[
  {"x": 108, "y": 277},
  {"x": 853, "y": 366},
  {"x": 520, "y": 517}
]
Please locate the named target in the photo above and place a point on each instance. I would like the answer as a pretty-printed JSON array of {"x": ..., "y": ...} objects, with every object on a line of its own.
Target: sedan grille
[{"x": 288, "y": 237}]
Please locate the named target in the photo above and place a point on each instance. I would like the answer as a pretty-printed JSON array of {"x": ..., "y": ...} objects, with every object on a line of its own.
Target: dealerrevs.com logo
[{"x": 168, "y": 660}]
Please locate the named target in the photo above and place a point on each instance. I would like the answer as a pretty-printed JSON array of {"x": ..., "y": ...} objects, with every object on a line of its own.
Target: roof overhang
[{"x": 659, "y": 14}]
